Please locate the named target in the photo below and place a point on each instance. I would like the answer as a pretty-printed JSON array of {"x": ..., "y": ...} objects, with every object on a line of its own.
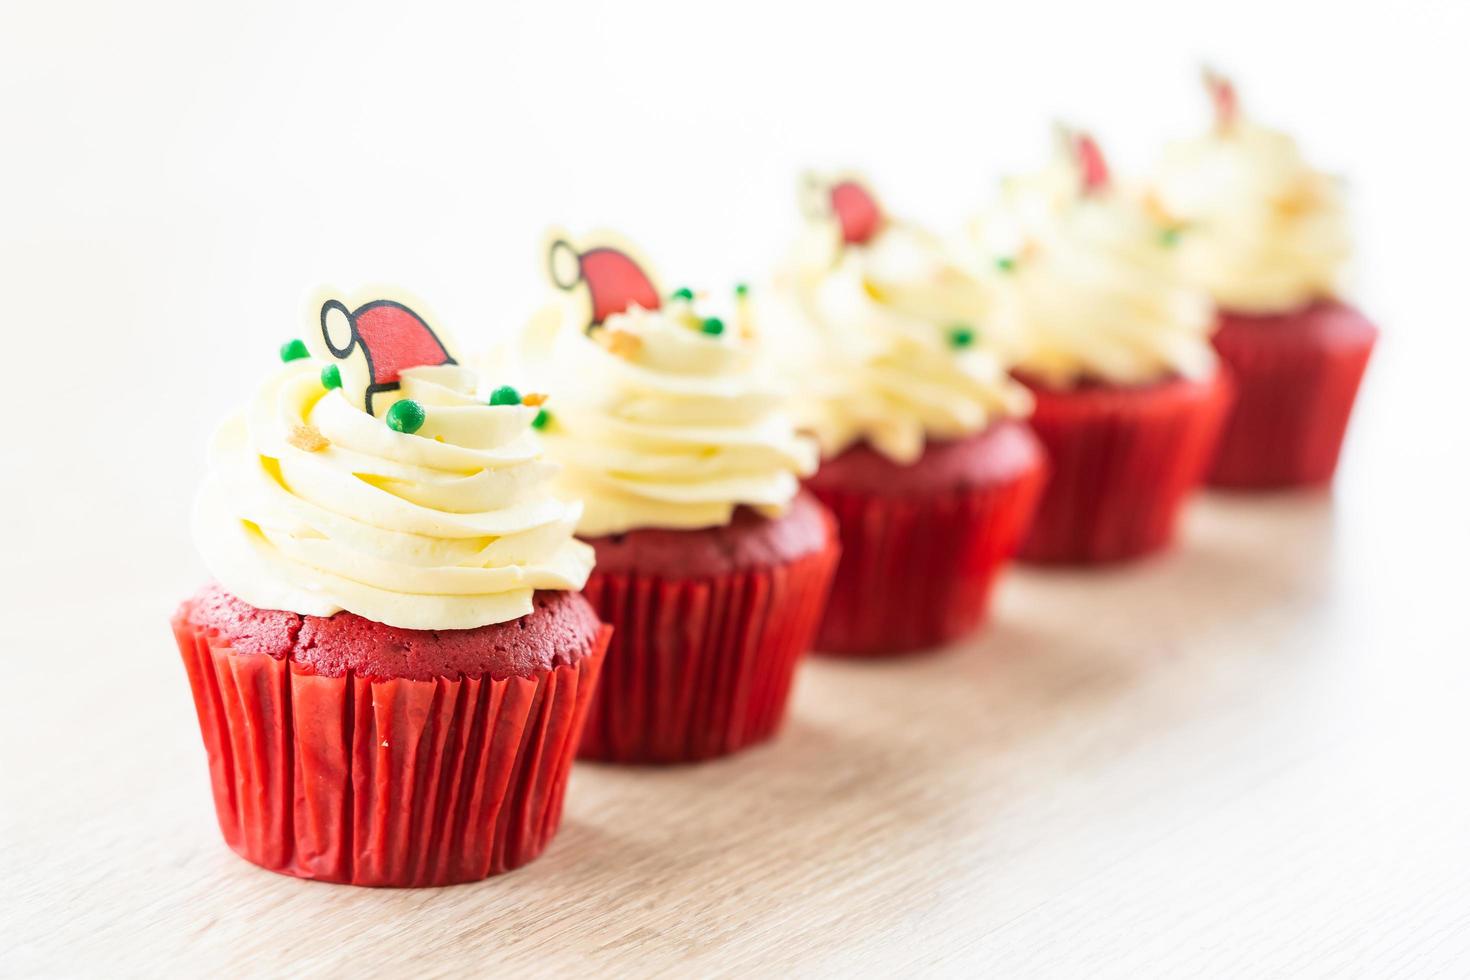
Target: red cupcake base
[
  {"x": 708, "y": 627},
  {"x": 922, "y": 545},
  {"x": 387, "y": 782},
  {"x": 1123, "y": 461},
  {"x": 1296, "y": 376}
]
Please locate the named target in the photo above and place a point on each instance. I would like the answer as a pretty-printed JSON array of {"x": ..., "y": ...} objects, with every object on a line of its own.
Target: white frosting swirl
[
  {"x": 314, "y": 506},
  {"x": 1095, "y": 284},
  {"x": 892, "y": 341},
  {"x": 658, "y": 424},
  {"x": 1263, "y": 232}
]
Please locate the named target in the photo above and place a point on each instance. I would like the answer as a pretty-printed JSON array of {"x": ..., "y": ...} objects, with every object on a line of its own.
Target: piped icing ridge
[
  {"x": 1092, "y": 277},
  {"x": 1261, "y": 230},
  {"x": 433, "y": 513},
  {"x": 665, "y": 417},
  {"x": 885, "y": 333}
]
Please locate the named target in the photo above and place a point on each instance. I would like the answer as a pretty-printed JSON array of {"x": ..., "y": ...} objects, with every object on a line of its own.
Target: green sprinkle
[
  {"x": 542, "y": 419},
  {"x": 331, "y": 377},
  {"x": 1005, "y": 263},
  {"x": 741, "y": 289},
  {"x": 1169, "y": 237},
  {"x": 505, "y": 395},
  {"x": 294, "y": 350},
  {"x": 961, "y": 336},
  {"x": 406, "y": 416},
  {"x": 713, "y": 326},
  {"x": 684, "y": 293}
]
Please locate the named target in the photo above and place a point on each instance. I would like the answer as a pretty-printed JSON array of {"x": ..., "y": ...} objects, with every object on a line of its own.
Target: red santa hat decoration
[
  {"x": 1082, "y": 150},
  {"x": 372, "y": 345},
  {"x": 615, "y": 275},
  {"x": 847, "y": 201},
  {"x": 1224, "y": 99}
]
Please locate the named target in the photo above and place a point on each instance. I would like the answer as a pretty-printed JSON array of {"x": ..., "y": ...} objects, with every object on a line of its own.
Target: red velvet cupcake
[
  {"x": 344, "y": 750},
  {"x": 1124, "y": 459},
  {"x": 1129, "y": 399},
  {"x": 389, "y": 684},
  {"x": 892, "y": 346},
  {"x": 1296, "y": 377},
  {"x": 711, "y": 624},
  {"x": 928, "y": 540},
  {"x": 712, "y": 568},
  {"x": 1267, "y": 236}
]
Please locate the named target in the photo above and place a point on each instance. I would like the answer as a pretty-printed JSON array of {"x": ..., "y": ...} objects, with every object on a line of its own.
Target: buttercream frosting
[
  {"x": 314, "y": 506},
  {"x": 1093, "y": 281},
  {"x": 1260, "y": 229},
  {"x": 890, "y": 340},
  {"x": 659, "y": 421}
]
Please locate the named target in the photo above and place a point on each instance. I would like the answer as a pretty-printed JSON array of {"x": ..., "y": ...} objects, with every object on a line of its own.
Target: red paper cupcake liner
[
  {"x": 384, "y": 782},
  {"x": 701, "y": 667},
  {"x": 1296, "y": 377},
  {"x": 1123, "y": 462},
  {"x": 918, "y": 571}
]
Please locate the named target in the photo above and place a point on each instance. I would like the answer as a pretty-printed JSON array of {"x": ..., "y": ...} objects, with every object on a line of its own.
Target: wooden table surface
[{"x": 1244, "y": 758}]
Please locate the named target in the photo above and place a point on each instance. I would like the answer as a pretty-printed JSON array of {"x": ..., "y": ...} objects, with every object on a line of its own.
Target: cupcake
[
  {"x": 1267, "y": 237},
  {"x": 1115, "y": 347},
  {"x": 713, "y": 566},
  {"x": 392, "y": 667},
  {"x": 927, "y": 462}
]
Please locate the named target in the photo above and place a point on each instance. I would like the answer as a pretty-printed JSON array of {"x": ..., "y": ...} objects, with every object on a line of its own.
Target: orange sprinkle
[
  {"x": 307, "y": 438},
  {"x": 1156, "y": 210},
  {"x": 533, "y": 399},
  {"x": 1294, "y": 204},
  {"x": 624, "y": 344}
]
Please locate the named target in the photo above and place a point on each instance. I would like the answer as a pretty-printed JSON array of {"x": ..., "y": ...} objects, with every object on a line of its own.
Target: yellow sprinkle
[
  {"x": 307, "y": 438},
  {"x": 533, "y": 399}
]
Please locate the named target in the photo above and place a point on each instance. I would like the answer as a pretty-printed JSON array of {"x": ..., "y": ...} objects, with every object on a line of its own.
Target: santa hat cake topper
[
  {"x": 845, "y": 200},
  {"x": 1223, "y": 97},
  {"x": 1082, "y": 150},
  {"x": 612, "y": 269},
  {"x": 371, "y": 343}
]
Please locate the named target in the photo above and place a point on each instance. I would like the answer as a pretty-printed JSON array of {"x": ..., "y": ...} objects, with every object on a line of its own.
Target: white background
[{"x": 176, "y": 179}]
